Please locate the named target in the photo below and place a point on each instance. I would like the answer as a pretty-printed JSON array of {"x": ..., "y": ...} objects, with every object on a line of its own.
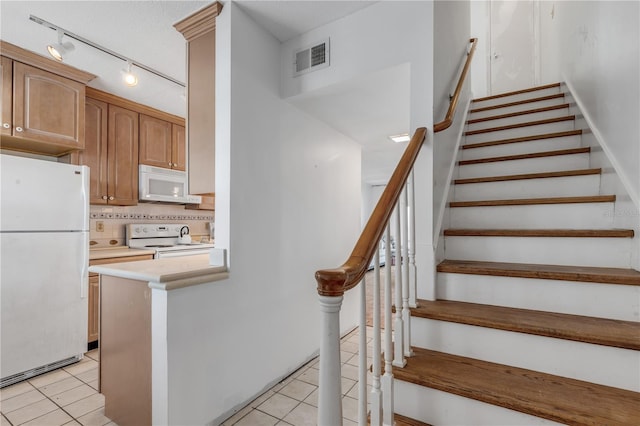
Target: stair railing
[
  {"x": 333, "y": 283},
  {"x": 397, "y": 197},
  {"x": 453, "y": 102}
]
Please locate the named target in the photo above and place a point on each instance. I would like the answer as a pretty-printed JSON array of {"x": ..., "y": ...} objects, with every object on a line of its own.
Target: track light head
[
  {"x": 59, "y": 50},
  {"x": 129, "y": 78}
]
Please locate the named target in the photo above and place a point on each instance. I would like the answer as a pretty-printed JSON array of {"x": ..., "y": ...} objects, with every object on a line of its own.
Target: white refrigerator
[{"x": 44, "y": 241}]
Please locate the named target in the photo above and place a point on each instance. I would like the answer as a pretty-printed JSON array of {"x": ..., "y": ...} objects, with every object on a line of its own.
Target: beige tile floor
[{"x": 69, "y": 396}]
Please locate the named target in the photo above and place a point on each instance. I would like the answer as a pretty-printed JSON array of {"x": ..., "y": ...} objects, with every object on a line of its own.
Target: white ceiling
[{"x": 367, "y": 109}]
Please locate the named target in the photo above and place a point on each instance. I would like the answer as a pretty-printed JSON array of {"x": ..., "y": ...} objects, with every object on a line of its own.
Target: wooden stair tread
[
  {"x": 523, "y": 139},
  {"x": 556, "y": 398},
  {"x": 407, "y": 421},
  {"x": 599, "y": 331},
  {"x": 541, "y": 154},
  {"x": 540, "y": 271},
  {"x": 516, "y": 103},
  {"x": 517, "y": 92},
  {"x": 518, "y": 113},
  {"x": 533, "y": 201},
  {"x": 525, "y": 176},
  {"x": 565, "y": 233},
  {"x": 519, "y": 125}
]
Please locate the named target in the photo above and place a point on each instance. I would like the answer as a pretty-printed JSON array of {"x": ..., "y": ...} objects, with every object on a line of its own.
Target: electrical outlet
[{"x": 100, "y": 226}]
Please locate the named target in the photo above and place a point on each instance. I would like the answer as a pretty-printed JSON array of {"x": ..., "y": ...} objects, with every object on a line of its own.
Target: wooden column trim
[{"x": 200, "y": 22}]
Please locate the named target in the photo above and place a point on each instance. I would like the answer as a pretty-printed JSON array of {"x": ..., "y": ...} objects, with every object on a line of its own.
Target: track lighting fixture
[
  {"x": 59, "y": 50},
  {"x": 129, "y": 78}
]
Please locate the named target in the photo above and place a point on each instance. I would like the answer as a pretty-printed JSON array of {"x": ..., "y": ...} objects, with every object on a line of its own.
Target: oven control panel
[{"x": 156, "y": 230}]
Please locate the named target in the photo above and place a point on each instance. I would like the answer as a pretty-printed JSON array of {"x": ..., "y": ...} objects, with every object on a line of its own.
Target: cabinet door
[
  {"x": 179, "y": 147},
  {"x": 94, "y": 154},
  {"x": 7, "y": 95},
  {"x": 47, "y": 107},
  {"x": 122, "y": 147},
  {"x": 155, "y": 142},
  {"x": 93, "y": 330}
]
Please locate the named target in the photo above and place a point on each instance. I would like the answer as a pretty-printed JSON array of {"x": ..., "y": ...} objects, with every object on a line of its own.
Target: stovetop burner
[{"x": 159, "y": 245}]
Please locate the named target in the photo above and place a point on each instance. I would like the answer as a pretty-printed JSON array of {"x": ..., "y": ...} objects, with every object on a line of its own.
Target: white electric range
[{"x": 168, "y": 240}]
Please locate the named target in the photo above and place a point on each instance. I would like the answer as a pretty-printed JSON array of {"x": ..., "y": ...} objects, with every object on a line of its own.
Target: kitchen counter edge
[{"x": 167, "y": 274}]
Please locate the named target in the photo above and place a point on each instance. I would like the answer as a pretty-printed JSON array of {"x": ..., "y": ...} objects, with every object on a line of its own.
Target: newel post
[{"x": 330, "y": 391}]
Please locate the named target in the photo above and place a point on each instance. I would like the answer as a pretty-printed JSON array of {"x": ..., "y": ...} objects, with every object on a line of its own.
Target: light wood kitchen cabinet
[
  {"x": 162, "y": 144},
  {"x": 122, "y": 157},
  {"x": 93, "y": 329},
  {"x": 199, "y": 31},
  {"x": 7, "y": 95},
  {"x": 179, "y": 147},
  {"x": 111, "y": 153},
  {"x": 42, "y": 103},
  {"x": 94, "y": 154}
]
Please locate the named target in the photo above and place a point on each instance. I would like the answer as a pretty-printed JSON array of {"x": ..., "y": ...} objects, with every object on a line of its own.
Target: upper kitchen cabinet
[
  {"x": 199, "y": 31},
  {"x": 111, "y": 153},
  {"x": 42, "y": 103},
  {"x": 162, "y": 144},
  {"x": 120, "y": 135}
]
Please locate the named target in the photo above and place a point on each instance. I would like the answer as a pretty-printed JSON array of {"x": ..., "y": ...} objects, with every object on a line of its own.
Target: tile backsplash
[{"x": 107, "y": 223}]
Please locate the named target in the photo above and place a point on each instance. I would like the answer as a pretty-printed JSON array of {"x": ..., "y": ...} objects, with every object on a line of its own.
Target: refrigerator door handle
[{"x": 84, "y": 283}]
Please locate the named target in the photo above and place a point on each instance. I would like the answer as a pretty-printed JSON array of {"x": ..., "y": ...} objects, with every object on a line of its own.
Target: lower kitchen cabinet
[
  {"x": 93, "y": 328},
  {"x": 94, "y": 308}
]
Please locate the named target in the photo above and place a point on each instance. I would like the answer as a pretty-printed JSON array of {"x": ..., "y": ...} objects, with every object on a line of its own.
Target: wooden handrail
[
  {"x": 453, "y": 104},
  {"x": 334, "y": 282}
]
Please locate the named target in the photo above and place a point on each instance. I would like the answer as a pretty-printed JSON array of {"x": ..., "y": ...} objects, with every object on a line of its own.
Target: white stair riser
[
  {"x": 518, "y": 132},
  {"x": 539, "y": 216},
  {"x": 566, "y": 186},
  {"x": 545, "y": 354},
  {"x": 562, "y": 112},
  {"x": 615, "y": 301},
  {"x": 515, "y": 108},
  {"x": 600, "y": 252},
  {"x": 554, "y": 163},
  {"x": 446, "y": 409},
  {"x": 514, "y": 98},
  {"x": 540, "y": 145}
]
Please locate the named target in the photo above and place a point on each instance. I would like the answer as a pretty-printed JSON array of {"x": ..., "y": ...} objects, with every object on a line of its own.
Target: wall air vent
[{"x": 311, "y": 58}]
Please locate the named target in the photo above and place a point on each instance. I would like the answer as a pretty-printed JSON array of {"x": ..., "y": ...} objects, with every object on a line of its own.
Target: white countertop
[{"x": 169, "y": 273}]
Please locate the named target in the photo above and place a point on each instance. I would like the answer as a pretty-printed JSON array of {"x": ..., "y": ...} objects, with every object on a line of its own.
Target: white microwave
[{"x": 165, "y": 185}]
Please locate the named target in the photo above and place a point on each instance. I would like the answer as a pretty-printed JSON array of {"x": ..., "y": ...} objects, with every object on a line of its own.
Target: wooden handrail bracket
[
  {"x": 334, "y": 282},
  {"x": 453, "y": 104}
]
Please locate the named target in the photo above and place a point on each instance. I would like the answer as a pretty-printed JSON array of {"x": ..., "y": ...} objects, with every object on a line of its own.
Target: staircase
[{"x": 536, "y": 319}]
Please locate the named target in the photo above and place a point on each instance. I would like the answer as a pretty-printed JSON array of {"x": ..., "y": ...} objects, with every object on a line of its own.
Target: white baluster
[
  {"x": 376, "y": 392},
  {"x": 406, "y": 313},
  {"x": 398, "y": 328},
  {"x": 413, "y": 276},
  {"x": 330, "y": 391},
  {"x": 362, "y": 357},
  {"x": 387, "y": 379}
]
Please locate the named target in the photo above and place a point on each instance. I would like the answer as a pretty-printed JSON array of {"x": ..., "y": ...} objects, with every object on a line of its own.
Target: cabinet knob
[
  {"x": 104, "y": 197},
  {"x": 169, "y": 163},
  {"x": 6, "y": 125},
  {"x": 111, "y": 198},
  {"x": 18, "y": 129}
]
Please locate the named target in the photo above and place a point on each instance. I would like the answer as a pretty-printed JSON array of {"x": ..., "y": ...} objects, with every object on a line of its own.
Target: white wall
[
  {"x": 479, "y": 24},
  {"x": 451, "y": 43},
  {"x": 287, "y": 204},
  {"x": 595, "y": 47},
  {"x": 383, "y": 35}
]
